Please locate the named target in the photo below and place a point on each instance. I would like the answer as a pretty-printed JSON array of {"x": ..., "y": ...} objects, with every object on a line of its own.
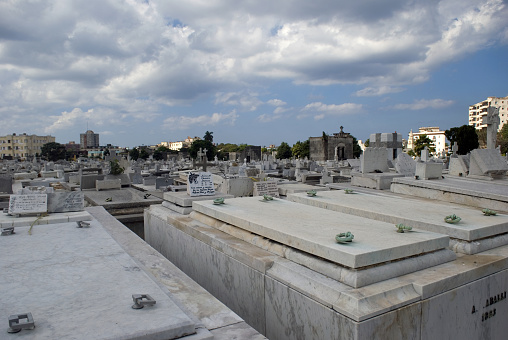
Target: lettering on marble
[
  {"x": 488, "y": 314},
  {"x": 66, "y": 201},
  {"x": 200, "y": 184},
  {"x": 266, "y": 188},
  {"x": 28, "y": 204}
]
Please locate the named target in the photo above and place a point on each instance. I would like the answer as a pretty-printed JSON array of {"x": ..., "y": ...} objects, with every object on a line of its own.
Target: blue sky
[{"x": 256, "y": 72}]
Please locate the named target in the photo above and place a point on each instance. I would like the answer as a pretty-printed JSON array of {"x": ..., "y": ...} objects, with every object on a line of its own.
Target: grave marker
[
  {"x": 266, "y": 188},
  {"x": 65, "y": 201},
  {"x": 28, "y": 204},
  {"x": 200, "y": 184}
]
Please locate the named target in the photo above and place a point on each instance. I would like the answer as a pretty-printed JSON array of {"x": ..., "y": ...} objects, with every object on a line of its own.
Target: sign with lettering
[
  {"x": 266, "y": 188},
  {"x": 28, "y": 204},
  {"x": 66, "y": 201},
  {"x": 200, "y": 184}
]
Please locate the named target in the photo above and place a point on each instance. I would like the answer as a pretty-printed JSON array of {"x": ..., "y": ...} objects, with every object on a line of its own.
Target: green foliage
[
  {"x": 367, "y": 143},
  {"x": 203, "y": 144},
  {"x": 465, "y": 136},
  {"x": 143, "y": 154},
  {"x": 158, "y": 155},
  {"x": 284, "y": 151},
  {"x": 263, "y": 150},
  {"x": 301, "y": 149},
  {"x": 134, "y": 154},
  {"x": 420, "y": 144},
  {"x": 208, "y": 136},
  {"x": 53, "y": 151},
  {"x": 502, "y": 139},
  {"x": 325, "y": 137},
  {"x": 482, "y": 137},
  {"x": 162, "y": 148},
  {"x": 106, "y": 152},
  {"x": 115, "y": 168},
  {"x": 357, "y": 150}
]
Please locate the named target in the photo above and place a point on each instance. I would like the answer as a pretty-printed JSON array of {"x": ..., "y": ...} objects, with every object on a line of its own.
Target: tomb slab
[{"x": 296, "y": 225}]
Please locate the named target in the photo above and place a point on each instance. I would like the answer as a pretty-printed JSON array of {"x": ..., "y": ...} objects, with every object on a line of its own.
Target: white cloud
[
  {"x": 424, "y": 104},
  {"x": 185, "y": 122},
  {"x": 377, "y": 91},
  {"x": 247, "y": 101},
  {"x": 320, "y": 110},
  {"x": 276, "y": 102}
]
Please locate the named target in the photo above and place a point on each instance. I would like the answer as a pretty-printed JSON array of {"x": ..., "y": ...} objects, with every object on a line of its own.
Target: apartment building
[
  {"x": 437, "y": 136},
  {"x": 22, "y": 146},
  {"x": 478, "y": 110}
]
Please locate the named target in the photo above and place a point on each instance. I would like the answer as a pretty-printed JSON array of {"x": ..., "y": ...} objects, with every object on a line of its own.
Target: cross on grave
[
  {"x": 203, "y": 161},
  {"x": 492, "y": 120},
  {"x": 455, "y": 148}
]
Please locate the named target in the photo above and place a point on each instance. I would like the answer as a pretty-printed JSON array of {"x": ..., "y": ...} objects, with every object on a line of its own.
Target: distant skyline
[{"x": 256, "y": 72}]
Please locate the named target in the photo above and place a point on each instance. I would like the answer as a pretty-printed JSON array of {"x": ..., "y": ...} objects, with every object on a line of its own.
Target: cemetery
[{"x": 327, "y": 247}]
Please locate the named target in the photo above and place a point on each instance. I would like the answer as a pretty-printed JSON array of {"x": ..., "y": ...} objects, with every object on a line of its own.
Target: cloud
[
  {"x": 424, "y": 104},
  {"x": 377, "y": 91},
  {"x": 185, "y": 122},
  {"x": 320, "y": 110},
  {"x": 247, "y": 101},
  {"x": 276, "y": 102}
]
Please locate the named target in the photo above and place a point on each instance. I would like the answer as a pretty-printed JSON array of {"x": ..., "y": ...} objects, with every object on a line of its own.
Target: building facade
[
  {"x": 437, "y": 136},
  {"x": 22, "y": 146},
  {"x": 479, "y": 110},
  {"x": 89, "y": 140},
  {"x": 338, "y": 146}
]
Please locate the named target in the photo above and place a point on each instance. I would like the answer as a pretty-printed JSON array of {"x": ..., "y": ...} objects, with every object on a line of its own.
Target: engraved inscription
[
  {"x": 491, "y": 312},
  {"x": 200, "y": 184}
]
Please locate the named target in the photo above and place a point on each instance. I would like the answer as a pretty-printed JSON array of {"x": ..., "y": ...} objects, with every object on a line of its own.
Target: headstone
[
  {"x": 455, "y": 148},
  {"x": 487, "y": 163},
  {"x": 65, "y": 201},
  {"x": 429, "y": 170},
  {"x": 405, "y": 165},
  {"x": 163, "y": 182},
  {"x": 6, "y": 184},
  {"x": 107, "y": 184},
  {"x": 200, "y": 184},
  {"x": 459, "y": 166},
  {"x": 28, "y": 204},
  {"x": 266, "y": 188},
  {"x": 374, "y": 160},
  {"x": 424, "y": 155},
  {"x": 149, "y": 180},
  {"x": 492, "y": 120}
]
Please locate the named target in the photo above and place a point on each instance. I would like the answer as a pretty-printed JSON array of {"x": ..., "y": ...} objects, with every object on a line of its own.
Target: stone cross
[
  {"x": 455, "y": 148},
  {"x": 492, "y": 120},
  {"x": 203, "y": 161}
]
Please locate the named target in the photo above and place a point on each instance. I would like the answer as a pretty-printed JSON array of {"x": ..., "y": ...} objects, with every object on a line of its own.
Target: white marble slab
[
  {"x": 23, "y": 221},
  {"x": 78, "y": 284},
  {"x": 421, "y": 214},
  {"x": 313, "y": 230}
]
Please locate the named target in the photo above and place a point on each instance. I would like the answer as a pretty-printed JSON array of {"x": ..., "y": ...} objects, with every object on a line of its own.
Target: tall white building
[
  {"x": 478, "y": 110},
  {"x": 437, "y": 136}
]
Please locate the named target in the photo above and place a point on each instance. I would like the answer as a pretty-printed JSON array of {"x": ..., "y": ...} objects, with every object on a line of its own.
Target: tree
[
  {"x": 53, "y": 151},
  {"x": 284, "y": 151},
  {"x": 301, "y": 149},
  {"x": 115, "y": 168},
  {"x": 367, "y": 143},
  {"x": 203, "y": 144},
  {"x": 208, "y": 136},
  {"x": 502, "y": 139},
  {"x": 158, "y": 155},
  {"x": 143, "y": 154},
  {"x": 134, "y": 154},
  {"x": 465, "y": 136},
  {"x": 357, "y": 150},
  {"x": 482, "y": 137},
  {"x": 106, "y": 152},
  {"x": 420, "y": 144}
]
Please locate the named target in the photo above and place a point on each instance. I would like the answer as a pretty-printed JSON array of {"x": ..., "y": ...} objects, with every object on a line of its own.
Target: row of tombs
[{"x": 426, "y": 260}]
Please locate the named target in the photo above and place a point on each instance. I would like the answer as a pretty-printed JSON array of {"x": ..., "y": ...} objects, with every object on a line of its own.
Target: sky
[{"x": 259, "y": 72}]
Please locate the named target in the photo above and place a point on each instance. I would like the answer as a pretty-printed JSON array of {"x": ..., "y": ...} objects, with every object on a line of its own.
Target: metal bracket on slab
[
  {"x": 140, "y": 300},
  {"x": 20, "y": 321},
  {"x": 83, "y": 224},
  {"x": 8, "y": 231}
]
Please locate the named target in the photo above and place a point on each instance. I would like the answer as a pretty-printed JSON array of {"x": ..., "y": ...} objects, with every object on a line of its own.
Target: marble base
[
  {"x": 482, "y": 194},
  {"x": 381, "y": 181}
]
